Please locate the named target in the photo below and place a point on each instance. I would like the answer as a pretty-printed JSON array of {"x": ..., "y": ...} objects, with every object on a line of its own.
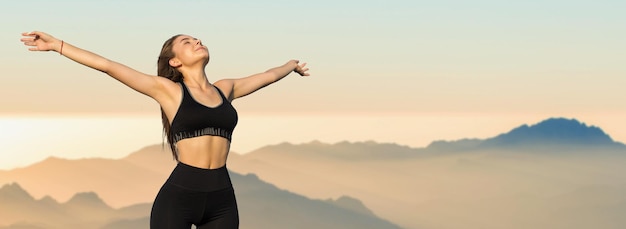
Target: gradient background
[{"x": 408, "y": 72}]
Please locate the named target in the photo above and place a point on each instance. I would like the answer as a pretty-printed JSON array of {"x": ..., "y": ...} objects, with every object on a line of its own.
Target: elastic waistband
[{"x": 199, "y": 179}]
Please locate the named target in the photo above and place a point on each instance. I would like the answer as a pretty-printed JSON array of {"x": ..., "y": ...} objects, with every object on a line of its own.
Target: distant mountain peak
[
  {"x": 565, "y": 127},
  {"x": 553, "y": 131},
  {"x": 11, "y": 186},
  {"x": 53, "y": 159},
  {"x": 48, "y": 200},
  {"x": 352, "y": 204},
  {"x": 14, "y": 191},
  {"x": 87, "y": 199}
]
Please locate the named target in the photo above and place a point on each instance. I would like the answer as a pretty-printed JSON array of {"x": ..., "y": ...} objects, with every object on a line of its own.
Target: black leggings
[{"x": 202, "y": 197}]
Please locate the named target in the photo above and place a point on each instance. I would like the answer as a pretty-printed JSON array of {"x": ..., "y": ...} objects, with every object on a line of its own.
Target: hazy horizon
[
  {"x": 115, "y": 136},
  {"x": 555, "y": 188}
]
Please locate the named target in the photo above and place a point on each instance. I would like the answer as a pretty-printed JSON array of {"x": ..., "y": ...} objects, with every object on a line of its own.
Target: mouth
[{"x": 201, "y": 47}]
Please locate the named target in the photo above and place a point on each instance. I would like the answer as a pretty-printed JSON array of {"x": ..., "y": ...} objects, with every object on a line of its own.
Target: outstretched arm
[
  {"x": 146, "y": 84},
  {"x": 244, "y": 86}
]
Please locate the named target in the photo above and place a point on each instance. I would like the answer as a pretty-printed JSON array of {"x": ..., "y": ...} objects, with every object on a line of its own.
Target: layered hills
[
  {"x": 558, "y": 173},
  {"x": 262, "y": 206}
]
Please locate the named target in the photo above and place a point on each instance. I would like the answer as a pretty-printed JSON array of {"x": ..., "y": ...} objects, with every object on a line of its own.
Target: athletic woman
[{"x": 198, "y": 120}]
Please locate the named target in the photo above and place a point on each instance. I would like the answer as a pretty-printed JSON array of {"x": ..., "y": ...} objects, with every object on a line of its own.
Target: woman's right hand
[{"x": 40, "y": 41}]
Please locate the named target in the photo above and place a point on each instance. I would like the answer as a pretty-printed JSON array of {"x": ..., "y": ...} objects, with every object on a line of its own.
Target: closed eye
[{"x": 185, "y": 40}]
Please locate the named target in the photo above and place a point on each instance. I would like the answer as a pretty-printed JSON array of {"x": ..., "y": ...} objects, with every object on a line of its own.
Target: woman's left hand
[
  {"x": 40, "y": 41},
  {"x": 300, "y": 69}
]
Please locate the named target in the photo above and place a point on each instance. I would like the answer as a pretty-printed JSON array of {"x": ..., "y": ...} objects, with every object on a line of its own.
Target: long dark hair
[{"x": 164, "y": 69}]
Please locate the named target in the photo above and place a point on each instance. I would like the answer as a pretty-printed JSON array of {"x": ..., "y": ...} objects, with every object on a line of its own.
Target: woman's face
[{"x": 189, "y": 51}]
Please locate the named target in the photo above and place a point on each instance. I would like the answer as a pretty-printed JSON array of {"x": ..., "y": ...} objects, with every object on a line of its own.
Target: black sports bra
[{"x": 194, "y": 119}]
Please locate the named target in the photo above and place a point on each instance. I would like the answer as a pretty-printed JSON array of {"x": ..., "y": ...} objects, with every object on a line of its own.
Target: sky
[{"x": 445, "y": 69}]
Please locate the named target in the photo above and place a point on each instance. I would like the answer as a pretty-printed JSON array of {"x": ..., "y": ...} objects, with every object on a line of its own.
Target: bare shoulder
[{"x": 226, "y": 86}]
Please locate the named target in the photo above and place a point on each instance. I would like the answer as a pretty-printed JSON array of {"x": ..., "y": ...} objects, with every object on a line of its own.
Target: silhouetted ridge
[
  {"x": 368, "y": 150},
  {"x": 48, "y": 201},
  {"x": 462, "y": 144},
  {"x": 259, "y": 201},
  {"x": 553, "y": 131},
  {"x": 287, "y": 209},
  {"x": 87, "y": 199},
  {"x": 352, "y": 204},
  {"x": 14, "y": 192}
]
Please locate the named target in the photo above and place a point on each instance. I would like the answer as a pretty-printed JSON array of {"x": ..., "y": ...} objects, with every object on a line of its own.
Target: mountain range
[
  {"x": 467, "y": 183},
  {"x": 552, "y": 134},
  {"x": 571, "y": 176},
  {"x": 83, "y": 210},
  {"x": 262, "y": 206}
]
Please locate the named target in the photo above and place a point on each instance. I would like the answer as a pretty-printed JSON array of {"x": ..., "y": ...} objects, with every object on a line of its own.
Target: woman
[{"x": 198, "y": 119}]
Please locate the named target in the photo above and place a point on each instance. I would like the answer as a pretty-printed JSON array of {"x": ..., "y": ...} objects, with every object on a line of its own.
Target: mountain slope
[
  {"x": 352, "y": 151},
  {"x": 461, "y": 186},
  {"x": 552, "y": 134},
  {"x": 258, "y": 201},
  {"x": 62, "y": 178},
  {"x": 451, "y": 177},
  {"x": 554, "y": 131},
  {"x": 255, "y": 198},
  {"x": 84, "y": 209}
]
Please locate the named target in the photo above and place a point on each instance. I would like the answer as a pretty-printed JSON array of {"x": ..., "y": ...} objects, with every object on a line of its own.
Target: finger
[
  {"x": 27, "y": 39},
  {"x": 30, "y": 34},
  {"x": 303, "y": 72},
  {"x": 34, "y": 34},
  {"x": 303, "y": 64},
  {"x": 33, "y": 49}
]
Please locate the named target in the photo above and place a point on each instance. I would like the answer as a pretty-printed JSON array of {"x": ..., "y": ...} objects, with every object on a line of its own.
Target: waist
[
  {"x": 199, "y": 179},
  {"x": 203, "y": 152}
]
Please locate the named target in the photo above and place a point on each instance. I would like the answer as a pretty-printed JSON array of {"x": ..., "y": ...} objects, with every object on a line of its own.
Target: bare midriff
[{"x": 207, "y": 152}]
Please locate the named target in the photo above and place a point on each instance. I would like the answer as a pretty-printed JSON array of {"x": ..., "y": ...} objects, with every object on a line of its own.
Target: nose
[{"x": 199, "y": 42}]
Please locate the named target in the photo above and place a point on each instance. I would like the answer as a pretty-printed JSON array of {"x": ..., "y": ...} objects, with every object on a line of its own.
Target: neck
[{"x": 195, "y": 77}]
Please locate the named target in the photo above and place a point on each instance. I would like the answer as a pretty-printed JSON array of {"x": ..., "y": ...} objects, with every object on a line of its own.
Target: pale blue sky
[{"x": 366, "y": 56}]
